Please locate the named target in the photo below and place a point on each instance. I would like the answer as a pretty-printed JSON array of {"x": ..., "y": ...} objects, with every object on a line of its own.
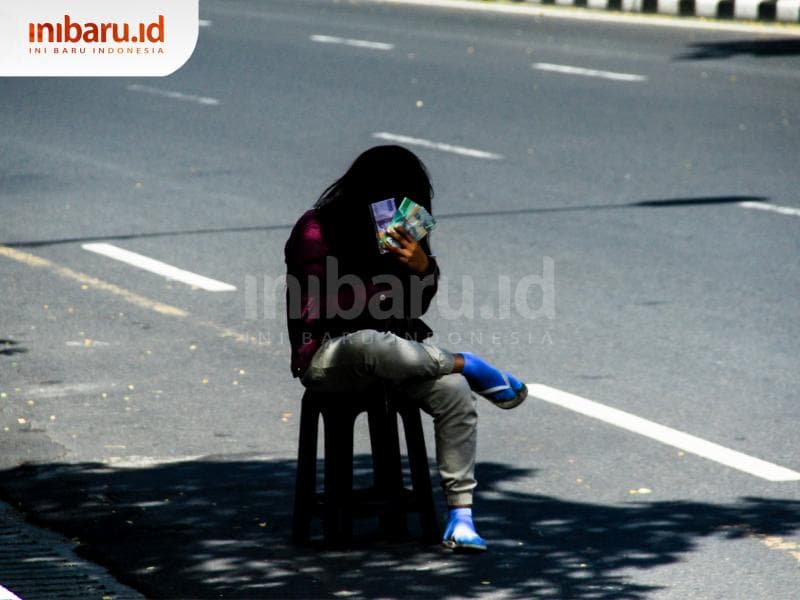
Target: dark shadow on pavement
[
  {"x": 10, "y": 348},
  {"x": 220, "y": 527},
  {"x": 662, "y": 203},
  {"x": 757, "y": 48},
  {"x": 138, "y": 236},
  {"x": 703, "y": 200},
  {"x": 699, "y": 201}
]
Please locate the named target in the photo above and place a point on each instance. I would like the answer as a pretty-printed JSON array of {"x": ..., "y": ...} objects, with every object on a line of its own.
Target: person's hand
[{"x": 409, "y": 253}]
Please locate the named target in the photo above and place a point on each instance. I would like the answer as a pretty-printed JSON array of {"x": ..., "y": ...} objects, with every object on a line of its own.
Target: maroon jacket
[{"x": 318, "y": 309}]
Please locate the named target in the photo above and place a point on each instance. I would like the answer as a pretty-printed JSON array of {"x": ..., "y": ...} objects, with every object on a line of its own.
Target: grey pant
[{"x": 423, "y": 373}]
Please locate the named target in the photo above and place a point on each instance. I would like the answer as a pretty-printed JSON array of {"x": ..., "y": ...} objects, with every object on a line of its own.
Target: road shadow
[
  {"x": 757, "y": 48},
  {"x": 144, "y": 235},
  {"x": 220, "y": 527},
  {"x": 10, "y": 348},
  {"x": 656, "y": 203},
  {"x": 698, "y": 201}
]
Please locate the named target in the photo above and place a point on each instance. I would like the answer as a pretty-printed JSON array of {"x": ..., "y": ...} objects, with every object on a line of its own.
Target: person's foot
[
  {"x": 501, "y": 388},
  {"x": 460, "y": 534}
]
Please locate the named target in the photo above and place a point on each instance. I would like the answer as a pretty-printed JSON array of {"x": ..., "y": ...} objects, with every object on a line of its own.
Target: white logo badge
[{"x": 96, "y": 38}]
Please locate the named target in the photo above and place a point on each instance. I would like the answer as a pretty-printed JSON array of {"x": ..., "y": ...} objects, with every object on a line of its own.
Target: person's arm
[
  {"x": 305, "y": 253},
  {"x": 305, "y": 262},
  {"x": 429, "y": 284},
  {"x": 423, "y": 281},
  {"x": 409, "y": 251}
]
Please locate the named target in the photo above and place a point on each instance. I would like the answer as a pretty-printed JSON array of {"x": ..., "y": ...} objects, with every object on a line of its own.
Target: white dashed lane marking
[
  {"x": 329, "y": 39},
  {"x": 422, "y": 143},
  {"x": 145, "y": 89},
  {"x": 776, "y": 208},
  {"x": 66, "y": 390},
  {"x": 582, "y": 72},
  {"x": 159, "y": 268}
]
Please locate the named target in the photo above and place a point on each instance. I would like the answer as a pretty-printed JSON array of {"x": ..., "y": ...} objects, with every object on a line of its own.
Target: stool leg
[
  {"x": 420, "y": 473},
  {"x": 388, "y": 469},
  {"x": 306, "y": 477},
  {"x": 337, "y": 517}
]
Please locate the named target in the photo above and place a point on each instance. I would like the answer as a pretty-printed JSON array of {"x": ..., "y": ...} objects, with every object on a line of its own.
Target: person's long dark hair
[{"x": 379, "y": 173}]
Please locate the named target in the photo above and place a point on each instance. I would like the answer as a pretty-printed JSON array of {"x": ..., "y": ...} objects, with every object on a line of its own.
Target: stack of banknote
[{"x": 411, "y": 216}]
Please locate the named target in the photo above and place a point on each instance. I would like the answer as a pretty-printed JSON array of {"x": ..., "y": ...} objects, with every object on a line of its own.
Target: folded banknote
[{"x": 413, "y": 218}]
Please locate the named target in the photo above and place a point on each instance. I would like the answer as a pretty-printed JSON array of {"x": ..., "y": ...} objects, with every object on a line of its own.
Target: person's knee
[
  {"x": 375, "y": 347},
  {"x": 358, "y": 346}
]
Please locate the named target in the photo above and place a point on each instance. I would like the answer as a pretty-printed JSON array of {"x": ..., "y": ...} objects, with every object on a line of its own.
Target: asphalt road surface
[{"x": 634, "y": 188}]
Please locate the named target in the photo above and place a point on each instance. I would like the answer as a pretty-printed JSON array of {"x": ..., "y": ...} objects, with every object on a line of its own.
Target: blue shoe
[
  {"x": 506, "y": 395},
  {"x": 498, "y": 387},
  {"x": 460, "y": 534}
]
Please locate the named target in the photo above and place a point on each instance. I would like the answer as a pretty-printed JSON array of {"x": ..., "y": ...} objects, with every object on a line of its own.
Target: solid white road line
[
  {"x": 665, "y": 435},
  {"x": 460, "y": 150},
  {"x": 776, "y": 208},
  {"x": 568, "y": 70},
  {"x": 144, "y": 89},
  {"x": 554, "y": 12},
  {"x": 159, "y": 268},
  {"x": 328, "y": 39}
]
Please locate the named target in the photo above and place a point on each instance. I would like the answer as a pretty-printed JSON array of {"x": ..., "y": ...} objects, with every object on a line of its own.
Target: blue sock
[
  {"x": 483, "y": 376},
  {"x": 460, "y": 530}
]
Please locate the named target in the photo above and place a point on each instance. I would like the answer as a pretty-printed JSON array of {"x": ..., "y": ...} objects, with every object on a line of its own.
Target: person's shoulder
[
  {"x": 309, "y": 227},
  {"x": 309, "y": 220},
  {"x": 307, "y": 235}
]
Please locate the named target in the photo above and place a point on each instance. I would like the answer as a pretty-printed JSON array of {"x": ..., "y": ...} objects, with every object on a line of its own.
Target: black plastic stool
[{"x": 388, "y": 499}]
